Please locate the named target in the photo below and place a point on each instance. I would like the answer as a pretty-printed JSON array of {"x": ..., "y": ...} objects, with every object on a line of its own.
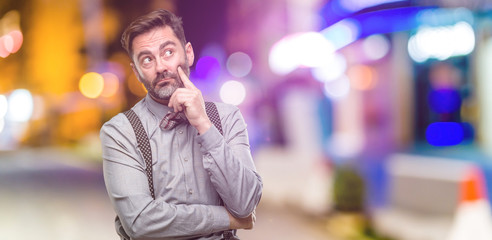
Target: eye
[
  {"x": 146, "y": 60},
  {"x": 168, "y": 52}
]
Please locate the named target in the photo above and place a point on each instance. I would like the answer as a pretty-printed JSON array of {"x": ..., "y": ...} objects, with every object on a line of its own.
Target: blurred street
[{"x": 53, "y": 194}]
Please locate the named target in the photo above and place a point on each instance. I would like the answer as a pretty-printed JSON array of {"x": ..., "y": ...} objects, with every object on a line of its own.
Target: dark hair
[{"x": 145, "y": 23}]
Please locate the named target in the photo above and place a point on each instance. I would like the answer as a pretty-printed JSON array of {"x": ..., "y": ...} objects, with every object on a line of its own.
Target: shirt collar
[{"x": 158, "y": 109}]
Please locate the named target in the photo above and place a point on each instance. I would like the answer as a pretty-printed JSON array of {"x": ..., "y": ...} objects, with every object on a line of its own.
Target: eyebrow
[{"x": 162, "y": 46}]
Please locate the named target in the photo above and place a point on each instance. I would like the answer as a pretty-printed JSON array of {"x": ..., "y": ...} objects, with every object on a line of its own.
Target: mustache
[{"x": 166, "y": 74}]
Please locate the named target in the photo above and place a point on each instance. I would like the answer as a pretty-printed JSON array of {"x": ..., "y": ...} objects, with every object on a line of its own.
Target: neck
[{"x": 161, "y": 101}]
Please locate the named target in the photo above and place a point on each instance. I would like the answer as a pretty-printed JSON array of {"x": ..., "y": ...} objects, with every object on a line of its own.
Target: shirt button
[
  {"x": 181, "y": 132},
  {"x": 190, "y": 191},
  {"x": 185, "y": 159},
  {"x": 209, "y": 173}
]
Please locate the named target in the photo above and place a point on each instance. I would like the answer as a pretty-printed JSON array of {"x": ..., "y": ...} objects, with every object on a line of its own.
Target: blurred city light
[
  {"x": 232, "y": 92},
  {"x": 5, "y": 41},
  {"x": 444, "y": 100},
  {"x": 91, "y": 84},
  {"x": 3, "y": 106},
  {"x": 435, "y": 42},
  {"x": 17, "y": 39},
  {"x": 356, "y": 5},
  {"x": 342, "y": 33},
  {"x": 111, "y": 84},
  {"x": 338, "y": 88},
  {"x": 207, "y": 68},
  {"x": 444, "y": 133},
  {"x": 239, "y": 64},
  {"x": 362, "y": 77},
  {"x": 309, "y": 49},
  {"x": 20, "y": 106},
  {"x": 331, "y": 69},
  {"x": 375, "y": 46}
]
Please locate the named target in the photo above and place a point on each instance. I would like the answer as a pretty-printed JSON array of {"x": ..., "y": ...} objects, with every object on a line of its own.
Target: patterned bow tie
[{"x": 172, "y": 120}]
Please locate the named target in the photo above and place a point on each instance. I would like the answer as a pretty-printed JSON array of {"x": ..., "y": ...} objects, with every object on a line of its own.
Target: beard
[{"x": 166, "y": 91}]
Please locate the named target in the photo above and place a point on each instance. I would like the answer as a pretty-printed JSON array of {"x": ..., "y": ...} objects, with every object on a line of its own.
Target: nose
[{"x": 161, "y": 65}]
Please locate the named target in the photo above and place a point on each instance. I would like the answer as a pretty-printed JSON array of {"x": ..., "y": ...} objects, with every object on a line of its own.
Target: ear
[
  {"x": 135, "y": 71},
  {"x": 189, "y": 54}
]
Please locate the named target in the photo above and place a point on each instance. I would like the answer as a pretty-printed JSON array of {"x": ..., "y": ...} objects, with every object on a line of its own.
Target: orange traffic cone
[{"x": 472, "y": 219}]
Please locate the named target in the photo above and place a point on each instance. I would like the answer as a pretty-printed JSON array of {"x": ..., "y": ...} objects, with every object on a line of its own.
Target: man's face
[{"x": 156, "y": 57}]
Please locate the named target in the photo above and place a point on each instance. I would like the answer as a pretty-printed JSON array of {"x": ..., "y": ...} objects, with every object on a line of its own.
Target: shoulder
[{"x": 120, "y": 122}]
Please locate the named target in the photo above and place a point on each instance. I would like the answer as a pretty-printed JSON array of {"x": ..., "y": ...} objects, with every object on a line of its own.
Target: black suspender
[{"x": 144, "y": 145}]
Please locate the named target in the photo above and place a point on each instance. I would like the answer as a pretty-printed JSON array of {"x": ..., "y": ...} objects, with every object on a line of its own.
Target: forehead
[{"x": 153, "y": 39}]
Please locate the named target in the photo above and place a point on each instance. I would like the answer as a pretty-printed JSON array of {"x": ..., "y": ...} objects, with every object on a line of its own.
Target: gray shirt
[{"x": 192, "y": 173}]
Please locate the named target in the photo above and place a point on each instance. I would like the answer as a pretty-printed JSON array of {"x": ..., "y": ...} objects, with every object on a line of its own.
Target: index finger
[{"x": 186, "y": 81}]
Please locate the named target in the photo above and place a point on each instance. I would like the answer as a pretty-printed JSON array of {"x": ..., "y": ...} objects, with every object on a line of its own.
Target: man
[{"x": 204, "y": 182}]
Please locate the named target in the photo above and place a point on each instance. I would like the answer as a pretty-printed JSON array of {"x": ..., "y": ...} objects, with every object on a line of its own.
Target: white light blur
[
  {"x": 442, "y": 42},
  {"x": 342, "y": 33},
  {"x": 376, "y": 46},
  {"x": 309, "y": 49},
  {"x": 3, "y": 106},
  {"x": 315, "y": 49},
  {"x": 414, "y": 51},
  {"x": 331, "y": 69},
  {"x": 239, "y": 64},
  {"x": 233, "y": 92},
  {"x": 337, "y": 89},
  {"x": 20, "y": 106},
  {"x": 2, "y": 124},
  {"x": 280, "y": 57},
  {"x": 356, "y": 5}
]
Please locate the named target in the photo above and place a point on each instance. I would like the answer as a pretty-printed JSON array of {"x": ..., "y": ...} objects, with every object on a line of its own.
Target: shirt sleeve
[
  {"x": 230, "y": 164},
  {"x": 143, "y": 217}
]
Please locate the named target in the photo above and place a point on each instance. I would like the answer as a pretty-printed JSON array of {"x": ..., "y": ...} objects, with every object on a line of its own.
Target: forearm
[
  {"x": 143, "y": 217},
  {"x": 232, "y": 173}
]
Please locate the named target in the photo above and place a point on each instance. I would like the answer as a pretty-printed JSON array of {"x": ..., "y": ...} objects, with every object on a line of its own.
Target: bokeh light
[
  {"x": 309, "y": 49},
  {"x": 239, "y": 64},
  {"x": 3, "y": 106},
  {"x": 444, "y": 100},
  {"x": 444, "y": 133},
  {"x": 362, "y": 77},
  {"x": 434, "y": 42},
  {"x": 20, "y": 106},
  {"x": 111, "y": 84},
  {"x": 342, "y": 33},
  {"x": 337, "y": 89},
  {"x": 375, "y": 46},
  {"x": 17, "y": 38},
  {"x": 207, "y": 67},
  {"x": 3, "y": 50},
  {"x": 91, "y": 84},
  {"x": 356, "y": 5},
  {"x": 331, "y": 70},
  {"x": 233, "y": 92}
]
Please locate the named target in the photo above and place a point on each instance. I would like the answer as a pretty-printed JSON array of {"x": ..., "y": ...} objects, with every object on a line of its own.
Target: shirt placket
[{"x": 186, "y": 161}]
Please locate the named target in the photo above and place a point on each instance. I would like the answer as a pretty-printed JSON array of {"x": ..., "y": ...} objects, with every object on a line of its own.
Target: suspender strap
[
  {"x": 213, "y": 114},
  {"x": 144, "y": 145}
]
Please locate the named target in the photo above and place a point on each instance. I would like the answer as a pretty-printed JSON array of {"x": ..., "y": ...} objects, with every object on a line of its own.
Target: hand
[
  {"x": 190, "y": 100},
  {"x": 242, "y": 223}
]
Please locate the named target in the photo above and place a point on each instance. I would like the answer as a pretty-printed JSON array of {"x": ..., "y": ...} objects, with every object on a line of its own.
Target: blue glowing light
[
  {"x": 444, "y": 133},
  {"x": 444, "y": 100}
]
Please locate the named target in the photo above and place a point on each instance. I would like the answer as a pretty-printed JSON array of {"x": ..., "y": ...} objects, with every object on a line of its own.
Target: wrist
[{"x": 203, "y": 126}]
